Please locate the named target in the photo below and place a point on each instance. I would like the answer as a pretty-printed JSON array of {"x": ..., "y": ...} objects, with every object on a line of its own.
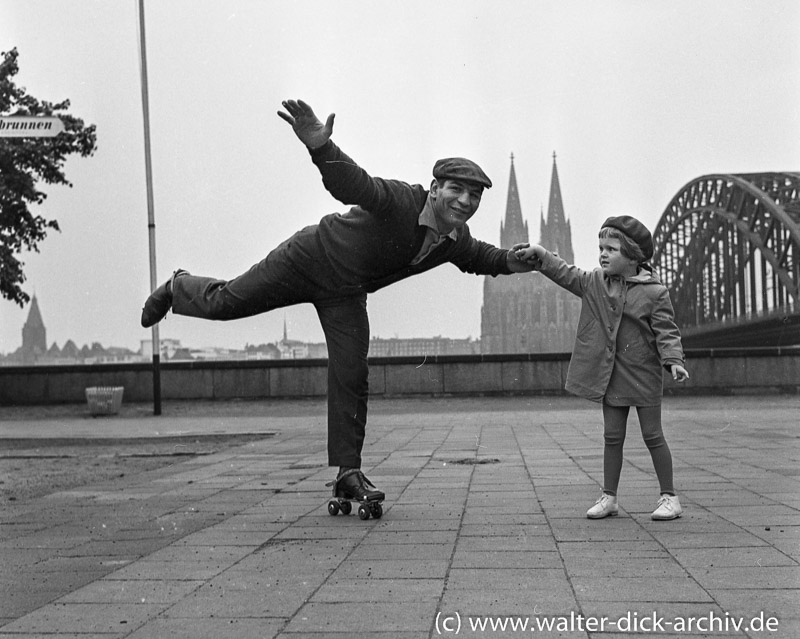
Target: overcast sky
[{"x": 636, "y": 98}]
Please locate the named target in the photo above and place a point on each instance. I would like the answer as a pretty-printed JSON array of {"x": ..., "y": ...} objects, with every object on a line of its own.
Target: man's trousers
[{"x": 294, "y": 273}]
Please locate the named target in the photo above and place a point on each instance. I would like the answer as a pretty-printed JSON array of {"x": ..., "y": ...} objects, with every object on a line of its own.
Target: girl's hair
[{"x": 627, "y": 246}]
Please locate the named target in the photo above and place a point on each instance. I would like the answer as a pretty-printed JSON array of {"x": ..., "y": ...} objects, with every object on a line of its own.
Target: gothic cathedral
[{"x": 527, "y": 313}]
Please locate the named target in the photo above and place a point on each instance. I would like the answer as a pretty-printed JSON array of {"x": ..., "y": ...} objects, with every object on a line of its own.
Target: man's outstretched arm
[{"x": 306, "y": 125}]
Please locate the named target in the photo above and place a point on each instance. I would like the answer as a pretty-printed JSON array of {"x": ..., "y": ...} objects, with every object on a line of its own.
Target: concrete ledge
[{"x": 717, "y": 371}]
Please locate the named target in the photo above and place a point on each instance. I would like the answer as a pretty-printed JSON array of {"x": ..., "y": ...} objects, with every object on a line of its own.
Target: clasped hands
[{"x": 529, "y": 254}]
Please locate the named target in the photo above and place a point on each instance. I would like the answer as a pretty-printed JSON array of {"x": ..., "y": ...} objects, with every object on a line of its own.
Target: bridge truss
[{"x": 728, "y": 249}]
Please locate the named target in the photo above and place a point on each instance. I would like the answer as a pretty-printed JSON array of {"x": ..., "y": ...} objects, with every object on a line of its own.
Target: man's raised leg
[{"x": 271, "y": 283}]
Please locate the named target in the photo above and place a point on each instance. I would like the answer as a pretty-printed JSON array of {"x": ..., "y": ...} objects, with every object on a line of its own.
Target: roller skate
[{"x": 353, "y": 487}]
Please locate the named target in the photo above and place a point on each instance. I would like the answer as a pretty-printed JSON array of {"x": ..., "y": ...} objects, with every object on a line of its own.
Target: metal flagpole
[{"x": 151, "y": 224}]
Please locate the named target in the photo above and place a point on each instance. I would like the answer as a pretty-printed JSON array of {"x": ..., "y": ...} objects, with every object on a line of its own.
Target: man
[{"x": 395, "y": 230}]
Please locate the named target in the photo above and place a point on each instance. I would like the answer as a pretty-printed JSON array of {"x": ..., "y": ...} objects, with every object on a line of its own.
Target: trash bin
[{"x": 104, "y": 400}]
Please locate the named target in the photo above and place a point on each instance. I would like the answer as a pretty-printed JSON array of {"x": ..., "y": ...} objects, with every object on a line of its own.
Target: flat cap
[
  {"x": 635, "y": 230},
  {"x": 460, "y": 169}
]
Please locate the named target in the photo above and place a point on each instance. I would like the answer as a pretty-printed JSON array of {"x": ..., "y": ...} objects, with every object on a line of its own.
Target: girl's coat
[{"x": 626, "y": 334}]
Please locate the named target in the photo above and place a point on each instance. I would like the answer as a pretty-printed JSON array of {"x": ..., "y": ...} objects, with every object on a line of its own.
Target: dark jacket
[
  {"x": 372, "y": 245},
  {"x": 626, "y": 334}
]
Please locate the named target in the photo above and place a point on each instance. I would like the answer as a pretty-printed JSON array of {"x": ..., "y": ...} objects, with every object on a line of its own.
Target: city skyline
[
  {"x": 35, "y": 349},
  {"x": 637, "y": 99}
]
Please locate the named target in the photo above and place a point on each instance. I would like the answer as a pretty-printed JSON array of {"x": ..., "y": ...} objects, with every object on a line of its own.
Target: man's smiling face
[{"x": 454, "y": 202}]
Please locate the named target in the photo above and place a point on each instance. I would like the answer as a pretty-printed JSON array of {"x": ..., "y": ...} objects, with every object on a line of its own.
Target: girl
[{"x": 626, "y": 334}]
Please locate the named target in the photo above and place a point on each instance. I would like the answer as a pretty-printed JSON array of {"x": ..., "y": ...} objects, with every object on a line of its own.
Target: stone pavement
[{"x": 484, "y": 524}]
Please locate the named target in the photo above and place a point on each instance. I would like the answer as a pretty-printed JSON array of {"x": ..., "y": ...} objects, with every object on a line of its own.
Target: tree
[{"x": 25, "y": 163}]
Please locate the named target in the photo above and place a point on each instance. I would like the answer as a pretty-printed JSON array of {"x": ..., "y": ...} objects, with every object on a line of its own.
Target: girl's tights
[{"x": 615, "y": 423}]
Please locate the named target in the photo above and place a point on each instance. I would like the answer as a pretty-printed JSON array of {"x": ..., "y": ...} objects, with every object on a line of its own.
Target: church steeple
[
  {"x": 513, "y": 230},
  {"x": 34, "y": 335},
  {"x": 556, "y": 231}
]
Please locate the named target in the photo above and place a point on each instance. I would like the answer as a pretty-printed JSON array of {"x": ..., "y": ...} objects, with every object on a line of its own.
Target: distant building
[
  {"x": 295, "y": 349},
  {"x": 430, "y": 346},
  {"x": 262, "y": 351},
  {"x": 34, "y": 335},
  {"x": 34, "y": 349},
  {"x": 167, "y": 347},
  {"x": 527, "y": 313}
]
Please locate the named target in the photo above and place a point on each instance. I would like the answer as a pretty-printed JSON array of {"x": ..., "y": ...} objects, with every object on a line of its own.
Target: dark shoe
[
  {"x": 352, "y": 484},
  {"x": 158, "y": 304}
]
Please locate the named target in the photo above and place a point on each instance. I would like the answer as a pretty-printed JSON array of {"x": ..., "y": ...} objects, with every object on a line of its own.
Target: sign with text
[{"x": 30, "y": 126}]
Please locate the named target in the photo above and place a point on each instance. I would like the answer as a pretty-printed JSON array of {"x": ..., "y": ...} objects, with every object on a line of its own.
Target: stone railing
[{"x": 722, "y": 371}]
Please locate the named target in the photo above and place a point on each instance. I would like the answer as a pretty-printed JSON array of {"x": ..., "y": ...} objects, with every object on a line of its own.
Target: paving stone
[
  {"x": 616, "y": 549},
  {"x": 750, "y": 602},
  {"x": 732, "y": 557},
  {"x": 600, "y": 566},
  {"x": 379, "y": 536},
  {"x": 160, "y": 570},
  {"x": 630, "y": 589},
  {"x": 754, "y": 577},
  {"x": 132, "y": 592},
  {"x": 337, "y": 617},
  {"x": 368, "y": 551},
  {"x": 519, "y": 543},
  {"x": 490, "y": 579},
  {"x": 518, "y": 602},
  {"x": 246, "y": 628},
  {"x": 505, "y": 559},
  {"x": 349, "y": 634},
  {"x": 675, "y": 539},
  {"x": 397, "y": 591},
  {"x": 393, "y": 569},
  {"x": 211, "y": 602},
  {"x": 84, "y": 618}
]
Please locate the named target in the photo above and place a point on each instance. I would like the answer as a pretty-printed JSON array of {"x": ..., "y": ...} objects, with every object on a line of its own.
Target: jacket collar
[
  {"x": 428, "y": 218},
  {"x": 646, "y": 275}
]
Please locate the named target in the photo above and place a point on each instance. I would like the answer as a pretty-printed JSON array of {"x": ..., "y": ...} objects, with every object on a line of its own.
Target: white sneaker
[
  {"x": 606, "y": 506},
  {"x": 669, "y": 507}
]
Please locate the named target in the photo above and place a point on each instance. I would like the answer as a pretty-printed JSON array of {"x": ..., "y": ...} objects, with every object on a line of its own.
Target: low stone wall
[{"x": 723, "y": 371}]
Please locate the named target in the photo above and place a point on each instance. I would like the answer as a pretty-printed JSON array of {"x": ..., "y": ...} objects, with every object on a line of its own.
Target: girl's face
[{"x": 612, "y": 261}]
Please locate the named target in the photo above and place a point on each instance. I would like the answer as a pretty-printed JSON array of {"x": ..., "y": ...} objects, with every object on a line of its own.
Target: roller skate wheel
[
  {"x": 377, "y": 511},
  {"x": 346, "y": 507},
  {"x": 333, "y": 507},
  {"x": 363, "y": 513}
]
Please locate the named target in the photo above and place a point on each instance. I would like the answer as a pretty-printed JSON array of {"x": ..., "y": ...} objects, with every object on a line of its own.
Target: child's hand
[
  {"x": 679, "y": 373},
  {"x": 530, "y": 253}
]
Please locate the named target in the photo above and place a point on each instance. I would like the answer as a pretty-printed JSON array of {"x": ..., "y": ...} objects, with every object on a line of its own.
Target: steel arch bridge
[{"x": 728, "y": 248}]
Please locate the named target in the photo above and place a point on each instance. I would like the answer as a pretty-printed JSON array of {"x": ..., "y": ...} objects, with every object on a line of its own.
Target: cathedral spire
[
  {"x": 557, "y": 231},
  {"x": 523, "y": 314},
  {"x": 513, "y": 230}
]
